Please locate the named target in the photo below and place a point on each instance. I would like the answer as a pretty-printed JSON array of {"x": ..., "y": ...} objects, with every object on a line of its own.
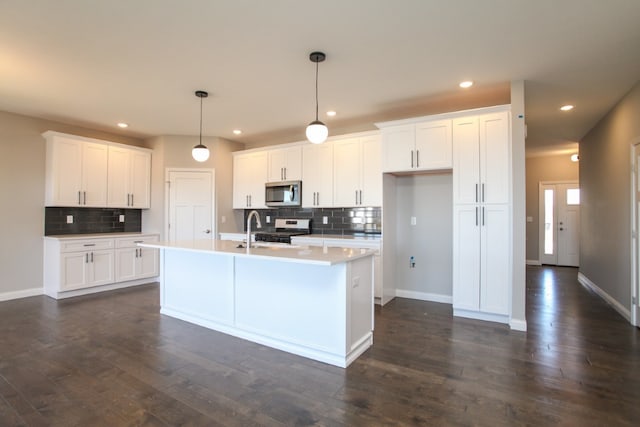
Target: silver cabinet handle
[
  {"x": 476, "y": 216},
  {"x": 246, "y": 201},
  {"x": 314, "y": 198},
  {"x": 417, "y": 158},
  {"x": 86, "y": 258},
  {"x": 356, "y": 197},
  {"x": 411, "y": 158},
  {"x": 79, "y": 202},
  {"x": 249, "y": 200},
  {"x": 85, "y": 197},
  {"x": 89, "y": 244},
  {"x": 207, "y": 231},
  {"x": 285, "y": 173},
  {"x": 483, "y": 191},
  {"x": 476, "y": 192},
  {"x": 131, "y": 199},
  {"x": 360, "y": 196},
  {"x": 318, "y": 199},
  {"x": 91, "y": 256},
  {"x": 483, "y": 216}
]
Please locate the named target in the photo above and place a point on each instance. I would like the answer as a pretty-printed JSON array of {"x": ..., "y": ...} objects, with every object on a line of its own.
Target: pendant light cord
[
  {"x": 316, "y": 91},
  {"x": 201, "y": 120}
]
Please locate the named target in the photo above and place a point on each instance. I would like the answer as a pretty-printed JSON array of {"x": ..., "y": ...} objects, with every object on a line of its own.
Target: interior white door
[
  {"x": 191, "y": 205},
  {"x": 635, "y": 306},
  {"x": 560, "y": 224}
]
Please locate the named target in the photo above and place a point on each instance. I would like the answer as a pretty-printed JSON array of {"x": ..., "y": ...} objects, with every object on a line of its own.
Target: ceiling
[{"x": 96, "y": 63}]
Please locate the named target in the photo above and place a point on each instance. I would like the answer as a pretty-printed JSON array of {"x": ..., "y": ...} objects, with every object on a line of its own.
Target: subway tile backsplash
[
  {"x": 91, "y": 220},
  {"x": 342, "y": 221}
]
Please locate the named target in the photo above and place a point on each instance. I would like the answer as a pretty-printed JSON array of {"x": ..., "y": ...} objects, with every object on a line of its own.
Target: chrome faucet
[{"x": 258, "y": 225}]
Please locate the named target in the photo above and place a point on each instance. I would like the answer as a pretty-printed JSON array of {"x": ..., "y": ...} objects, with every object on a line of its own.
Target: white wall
[{"x": 428, "y": 198}]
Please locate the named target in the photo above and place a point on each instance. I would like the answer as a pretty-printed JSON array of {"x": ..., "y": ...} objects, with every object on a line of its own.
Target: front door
[
  {"x": 191, "y": 205},
  {"x": 560, "y": 224}
]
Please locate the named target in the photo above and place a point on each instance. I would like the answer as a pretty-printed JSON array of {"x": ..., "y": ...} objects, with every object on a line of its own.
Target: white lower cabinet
[
  {"x": 133, "y": 262},
  {"x": 74, "y": 266},
  {"x": 481, "y": 261}
]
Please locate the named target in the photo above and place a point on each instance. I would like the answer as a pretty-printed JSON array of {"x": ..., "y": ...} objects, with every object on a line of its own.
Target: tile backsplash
[
  {"x": 91, "y": 220},
  {"x": 339, "y": 220}
]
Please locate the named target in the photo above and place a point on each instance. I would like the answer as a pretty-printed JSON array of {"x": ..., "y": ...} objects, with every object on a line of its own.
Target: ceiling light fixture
[
  {"x": 575, "y": 157},
  {"x": 466, "y": 84},
  {"x": 123, "y": 125},
  {"x": 331, "y": 113},
  {"x": 566, "y": 107},
  {"x": 317, "y": 131},
  {"x": 237, "y": 131},
  {"x": 200, "y": 152}
]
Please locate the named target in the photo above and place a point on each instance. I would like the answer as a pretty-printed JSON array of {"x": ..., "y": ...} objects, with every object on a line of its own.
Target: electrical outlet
[
  {"x": 325, "y": 220},
  {"x": 412, "y": 262},
  {"x": 413, "y": 220},
  {"x": 121, "y": 219},
  {"x": 268, "y": 219},
  {"x": 529, "y": 219},
  {"x": 69, "y": 219}
]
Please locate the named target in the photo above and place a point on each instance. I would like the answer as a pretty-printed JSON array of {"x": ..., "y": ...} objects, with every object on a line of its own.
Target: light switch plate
[
  {"x": 529, "y": 219},
  {"x": 69, "y": 219},
  {"x": 413, "y": 220},
  {"x": 121, "y": 218},
  {"x": 325, "y": 220}
]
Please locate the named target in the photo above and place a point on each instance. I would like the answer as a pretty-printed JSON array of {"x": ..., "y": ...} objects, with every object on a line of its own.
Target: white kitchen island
[{"x": 311, "y": 301}]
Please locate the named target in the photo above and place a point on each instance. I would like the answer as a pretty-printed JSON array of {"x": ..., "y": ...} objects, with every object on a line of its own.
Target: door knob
[
  {"x": 207, "y": 231},
  {"x": 561, "y": 228}
]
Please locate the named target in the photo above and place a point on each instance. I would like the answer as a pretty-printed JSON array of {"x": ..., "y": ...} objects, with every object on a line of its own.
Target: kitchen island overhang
[{"x": 311, "y": 301}]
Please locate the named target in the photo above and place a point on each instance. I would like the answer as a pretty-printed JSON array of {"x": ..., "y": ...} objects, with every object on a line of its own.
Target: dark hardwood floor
[{"x": 113, "y": 360}]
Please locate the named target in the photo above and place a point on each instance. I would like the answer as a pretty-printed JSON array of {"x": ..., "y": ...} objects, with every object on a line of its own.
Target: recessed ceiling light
[
  {"x": 566, "y": 107},
  {"x": 466, "y": 84},
  {"x": 237, "y": 131},
  {"x": 575, "y": 157},
  {"x": 123, "y": 125},
  {"x": 331, "y": 113}
]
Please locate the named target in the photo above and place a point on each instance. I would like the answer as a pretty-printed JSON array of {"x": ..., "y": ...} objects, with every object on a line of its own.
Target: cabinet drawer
[
  {"x": 132, "y": 242},
  {"x": 86, "y": 245}
]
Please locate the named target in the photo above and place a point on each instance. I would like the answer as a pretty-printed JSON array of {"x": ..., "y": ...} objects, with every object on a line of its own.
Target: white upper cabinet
[
  {"x": 249, "y": 178},
  {"x": 285, "y": 164},
  {"x": 76, "y": 172},
  {"x": 357, "y": 174},
  {"x": 129, "y": 178},
  {"x": 317, "y": 175},
  {"x": 88, "y": 172},
  {"x": 417, "y": 147},
  {"x": 481, "y": 159}
]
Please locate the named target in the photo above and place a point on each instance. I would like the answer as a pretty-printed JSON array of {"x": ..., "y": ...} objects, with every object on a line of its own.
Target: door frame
[
  {"x": 634, "y": 308},
  {"x": 167, "y": 201},
  {"x": 541, "y": 184}
]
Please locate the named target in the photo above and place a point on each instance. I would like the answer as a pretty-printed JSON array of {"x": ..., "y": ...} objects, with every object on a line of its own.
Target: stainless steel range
[{"x": 285, "y": 229}]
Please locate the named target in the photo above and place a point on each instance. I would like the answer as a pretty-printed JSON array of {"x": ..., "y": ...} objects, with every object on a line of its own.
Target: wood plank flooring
[{"x": 113, "y": 360}]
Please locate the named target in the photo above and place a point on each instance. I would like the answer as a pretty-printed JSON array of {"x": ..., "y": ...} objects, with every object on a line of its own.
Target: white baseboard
[
  {"x": 518, "y": 325},
  {"x": 424, "y": 296},
  {"x": 533, "y": 262},
  {"x": 6, "y": 296},
  {"x": 477, "y": 315},
  {"x": 624, "y": 312}
]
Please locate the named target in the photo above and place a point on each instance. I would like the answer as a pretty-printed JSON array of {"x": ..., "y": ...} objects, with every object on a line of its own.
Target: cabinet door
[
  {"x": 285, "y": 164},
  {"x": 433, "y": 145},
  {"x": 94, "y": 174},
  {"x": 118, "y": 177},
  {"x": 371, "y": 171},
  {"x": 74, "y": 270},
  {"x": 496, "y": 259},
  {"x": 102, "y": 268},
  {"x": 126, "y": 264},
  {"x": 147, "y": 262},
  {"x": 398, "y": 146},
  {"x": 495, "y": 158},
  {"x": 140, "y": 179},
  {"x": 466, "y": 160},
  {"x": 249, "y": 177},
  {"x": 317, "y": 175},
  {"x": 64, "y": 172},
  {"x": 466, "y": 257},
  {"x": 346, "y": 172}
]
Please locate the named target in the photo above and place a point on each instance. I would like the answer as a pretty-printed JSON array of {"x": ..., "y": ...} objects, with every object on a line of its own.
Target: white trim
[
  {"x": 7, "y": 296},
  {"x": 533, "y": 262},
  {"x": 477, "y": 315},
  {"x": 634, "y": 309},
  {"x": 518, "y": 325},
  {"x": 584, "y": 281},
  {"x": 450, "y": 115},
  {"x": 103, "y": 288},
  {"x": 424, "y": 296}
]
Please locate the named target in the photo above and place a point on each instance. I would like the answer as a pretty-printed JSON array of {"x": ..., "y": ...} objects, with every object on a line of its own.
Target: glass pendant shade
[
  {"x": 317, "y": 132},
  {"x": 200, "y": 153}
]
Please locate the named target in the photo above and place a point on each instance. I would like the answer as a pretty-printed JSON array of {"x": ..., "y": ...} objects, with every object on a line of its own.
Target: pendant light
[
  {"x": 317, "y": 131},
  {"x": 200, "y": 152}
]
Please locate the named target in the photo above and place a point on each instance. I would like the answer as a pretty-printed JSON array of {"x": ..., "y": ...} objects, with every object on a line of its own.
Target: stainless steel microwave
[{"x": 284, "y": 193}]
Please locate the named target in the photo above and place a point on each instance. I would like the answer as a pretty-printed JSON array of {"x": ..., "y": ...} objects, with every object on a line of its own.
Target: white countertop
[
  {"x": 98, "y": 235},
  {"x": 277, "y": 252},
  {"x": 373, "y": 237}
]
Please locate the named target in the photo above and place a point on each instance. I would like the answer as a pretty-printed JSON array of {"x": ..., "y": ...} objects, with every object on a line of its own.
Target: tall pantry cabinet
[{"x": 482, "y": 216}]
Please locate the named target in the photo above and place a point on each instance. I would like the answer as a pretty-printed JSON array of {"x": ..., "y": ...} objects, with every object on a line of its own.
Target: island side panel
[
  {"x": 360, "y": 307},
  {"x": 299, "y": 304},
  {"x": 198, "y": 287}
]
